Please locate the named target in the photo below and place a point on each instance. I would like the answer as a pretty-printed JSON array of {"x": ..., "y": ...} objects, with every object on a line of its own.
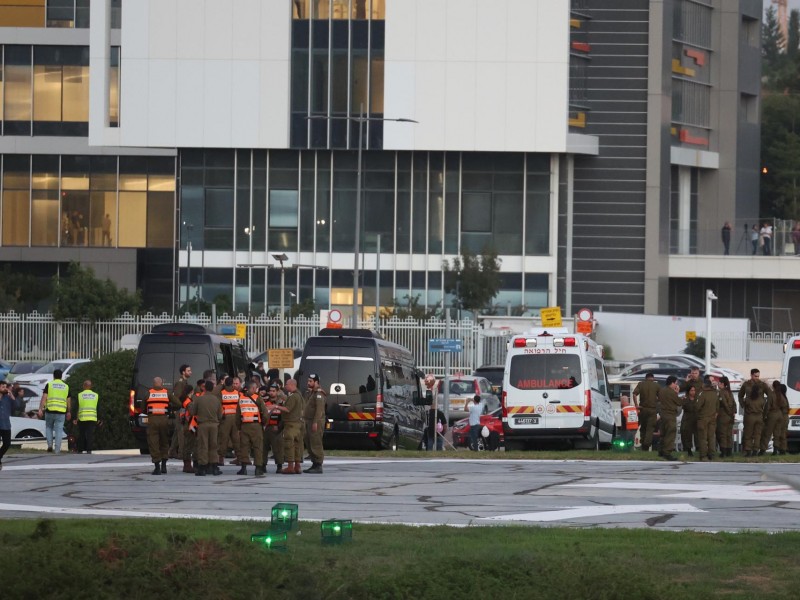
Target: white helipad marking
[
  {"x": 709, "y": 491},
  {"x": 80, "y": 466},
  {"x": 581, "y": 512}
]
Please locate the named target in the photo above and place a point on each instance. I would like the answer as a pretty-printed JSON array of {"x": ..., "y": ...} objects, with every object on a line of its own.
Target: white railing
[{"x": 37, "y": 336}]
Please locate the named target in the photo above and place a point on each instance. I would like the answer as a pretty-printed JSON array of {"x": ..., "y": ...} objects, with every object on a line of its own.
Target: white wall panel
[
  {"x": 552, "y": 35},
  {"x": 273, "y": 101},
  {"x": 218, "y": 32},
  {"x": 521, "y": 107},
  {"x": 459, "y": 118},
  {"x": 245, "y": 100},
  {"x": 217, "y": 103},
  {"x": 399, "y": 100},
  {"x": 188, "y": 32},
  {"x": 522, "y": 27},
  {"x": 275, "y": 31},
  {"x": 401, "y": 29},
  {"x": 246, "y": 43},
  {"x": 431, "y": 24},
  {"x": 135, "y": 36},
  {"x": 430, "y": 103},
  {"x": 552, "y": 96},
  {"x": 163, "y": 23},
  {"x": 136, "y": 103},
  {"x": 492, "y": 30},
  {"x": 162, "y": 87},
  {"x": 461, "y": 30},
  {"x": 490, "y": 122},
  {"x": 189, "y": 124}
]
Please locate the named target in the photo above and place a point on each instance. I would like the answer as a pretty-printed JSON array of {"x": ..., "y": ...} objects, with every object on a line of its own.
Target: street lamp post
[
  {"x": 189, "y": 228},
  {"x": 710, "y": 296},
  {"x": 357, "y": 250},
  {"x": 281, "y": 258}
]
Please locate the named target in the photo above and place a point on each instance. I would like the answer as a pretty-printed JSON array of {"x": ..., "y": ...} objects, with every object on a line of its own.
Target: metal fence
[{"x": 39, "y": 337}]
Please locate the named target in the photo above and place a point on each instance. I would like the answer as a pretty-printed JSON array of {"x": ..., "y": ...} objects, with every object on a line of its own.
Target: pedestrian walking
[
  {"x": 669, "y": 405},
  {"x": 158, "y": 407},
  {"x": 251, "y": 412},
  {"x": 273, "y": 438},
  {"x": 707, "y": 409},
  {"x": 87, "y": 417},
  {"x": 207, "y": 410},
  {"x": 292, "y": 416},
  {"x": 55, "y": 408},
  {"x": 726, "y": 417},
  {"x": 6, "y": 410},
  {"x": 645, "y": 398}
]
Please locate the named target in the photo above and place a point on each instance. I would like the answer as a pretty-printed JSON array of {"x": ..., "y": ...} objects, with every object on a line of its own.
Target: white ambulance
[
  {"x": 790, "y": 377},
  {"x": 555, "y": 389}
]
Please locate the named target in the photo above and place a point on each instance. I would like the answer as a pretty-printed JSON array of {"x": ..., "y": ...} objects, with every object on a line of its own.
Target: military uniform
[
  {"x": 250, "y": 414},
  {"x": 647, "y": 393},
  {"x": 707, "y": 408},
  {"x": 273, "y": 440},
  {"x": 207, "y": 410},
  {"x": 293, "y": 433},
  {"x": 176, "y": 445},
  {"x": 158, "y": 406},
  {"x": 726, "y": 417},
  {"x": 314, "y": 413},
  {"x": 689, "y": 424},
  {"x": 227, "y": 433},
  {"x": 783, "y": 402},
  {"x": 669, "y": 405},
  {"x": 753, "y": 415},
  {"x": 773, "y": 422}
]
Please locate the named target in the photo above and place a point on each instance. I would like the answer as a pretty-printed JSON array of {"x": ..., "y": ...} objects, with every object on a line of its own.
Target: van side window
[{"x": 601, "y": 377}]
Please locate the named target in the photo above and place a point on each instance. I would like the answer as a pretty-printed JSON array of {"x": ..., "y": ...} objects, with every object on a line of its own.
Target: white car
[
  {"x": 28, "y": 430},
  {"x": 45, "y": 375}
]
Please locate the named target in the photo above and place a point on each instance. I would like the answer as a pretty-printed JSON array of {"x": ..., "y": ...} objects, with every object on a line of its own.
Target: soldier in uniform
[
  {"x": 229, "y": 395},
  {"x": 176, "y": 446},
  {"x": 692, "y": 380},
  {"x": 274, "y": 435},
  {"x": 207, "y": 410},
  {"x": 689, "y": 419},
  {"x": 726, "y": 417},
  {"x": 292, "y": 417},
  {"x": 645, "y": 397},
  {"x": 314, "y": 417},
  {"x": 158, "y": 406},
  {"x": 251, "y": 413},
  {"x": 773, "y": 421},
  {"x": 669, "y": 404},
  {"x": 751, "y": 391},
  {"x": 784, "y": 404},
  {"x": 707, "y": 409}
]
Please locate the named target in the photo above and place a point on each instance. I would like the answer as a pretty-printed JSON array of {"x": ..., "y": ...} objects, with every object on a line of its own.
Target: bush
[{"x": 111, "y": 378}]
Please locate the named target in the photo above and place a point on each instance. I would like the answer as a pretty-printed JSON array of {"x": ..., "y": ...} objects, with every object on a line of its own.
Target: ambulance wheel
[
  {"x": 392, "y": 447},
  {"x": 607, "y": 445}
]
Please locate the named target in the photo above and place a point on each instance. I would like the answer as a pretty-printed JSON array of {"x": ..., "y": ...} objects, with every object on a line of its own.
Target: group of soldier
[
  {"x": 253, "y": 419},
  {"x": 709, "y": 414}
]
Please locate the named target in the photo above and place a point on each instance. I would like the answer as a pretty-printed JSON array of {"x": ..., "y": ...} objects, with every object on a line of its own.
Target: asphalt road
[{"x": 457, "y": 492}]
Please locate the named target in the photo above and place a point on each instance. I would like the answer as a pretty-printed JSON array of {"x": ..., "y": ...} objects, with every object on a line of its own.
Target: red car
[{"x": 492, "y": 421}]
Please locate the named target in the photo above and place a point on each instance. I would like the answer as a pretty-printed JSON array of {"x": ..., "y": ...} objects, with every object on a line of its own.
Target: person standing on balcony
[
  {"x": 726, "y": 237},
  {"x": 755, "y": 238},
  {"x": 766, "y": 236},
  {"x": 796, "y": 238}
]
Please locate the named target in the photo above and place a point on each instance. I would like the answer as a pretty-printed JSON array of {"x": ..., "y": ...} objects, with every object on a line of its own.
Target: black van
[
  {"x": 373, "y": 389},
  {"x": 165, "y": 349}
]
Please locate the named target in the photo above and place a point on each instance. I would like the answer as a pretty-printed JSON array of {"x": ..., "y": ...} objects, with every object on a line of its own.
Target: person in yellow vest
[
  {"x": 314, "y": 417},
  {"x": 226, "y": 436},
  {"x": 630, "y": 420},
  {"x": 251, "y": 413},
  {"x": 87, "y": 417},
  {"x": 158, "y": 405},
  {"x": 55, "y": 407}
]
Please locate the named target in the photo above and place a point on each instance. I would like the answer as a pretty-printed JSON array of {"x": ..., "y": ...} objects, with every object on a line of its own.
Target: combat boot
[
  {"x": 156, "y": 468},
  {"x": 221, "y": 461},
  {"x": 187, "y": 466},
  {"x": 314, "y": 468},
  {"x": 215, "y": 470},
  {"x": 164, "y": 467},
  {"x": 297, "y": 468},
  {"x": 200, "y": 471},
  {"x": 279, "y": 468},
  {"x": 289, "y": 470},
  {"x": 261, "y": 471},
  {"x": 242, "y": 471}
]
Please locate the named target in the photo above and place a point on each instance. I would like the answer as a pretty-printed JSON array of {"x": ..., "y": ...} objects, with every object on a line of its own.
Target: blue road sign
[{"x": 445, "y": 345}]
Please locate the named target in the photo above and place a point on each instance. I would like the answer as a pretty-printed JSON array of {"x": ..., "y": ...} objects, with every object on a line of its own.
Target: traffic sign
[
  {"x": 585, "y": 314},
  {"x": 691, "y": 336},
  {"x": 584, "y": 327},
  {"x": 551, "y": 317},
  {"x": 445, "y": 345},
  {"x": 280, "y": 358}
]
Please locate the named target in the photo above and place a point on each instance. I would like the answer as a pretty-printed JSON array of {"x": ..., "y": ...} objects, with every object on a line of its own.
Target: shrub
[{"x": 111, "y": 378}]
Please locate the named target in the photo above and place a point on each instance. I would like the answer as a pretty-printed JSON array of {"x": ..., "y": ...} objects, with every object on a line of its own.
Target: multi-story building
[{"x": 173, "y": 143}]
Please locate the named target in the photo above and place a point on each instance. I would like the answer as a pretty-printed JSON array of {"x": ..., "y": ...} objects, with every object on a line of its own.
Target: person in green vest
[
  {"x": 54, "y": 407},
  {"x": 87, "y": 417}
]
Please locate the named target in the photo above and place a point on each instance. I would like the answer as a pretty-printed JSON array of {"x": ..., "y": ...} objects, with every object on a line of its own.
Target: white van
[
  {"x": 790, "y": 377},
  {"x": 555, "y": 388}
]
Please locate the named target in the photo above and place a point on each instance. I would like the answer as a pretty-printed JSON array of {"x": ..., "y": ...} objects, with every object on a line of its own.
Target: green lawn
[{"x": 141, "y": 558}]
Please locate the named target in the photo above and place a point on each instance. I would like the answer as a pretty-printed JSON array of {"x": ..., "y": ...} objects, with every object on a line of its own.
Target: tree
[
  {"x": 306, "y": 308},
  {"x": 770, "y": 39},
  {"x": 197, "y": 306},
  {"x": 474, "y": 279},
  {"x": 410, "y": 308},
  {"x": 22, "y": 292},
  {"x": 793, "y": 41},
  {"x": 780, "y": 142},
  {"x": 698, "y": 348},
  {"x": 81, "y": 295},
  {"x": 111, "y": 376}
]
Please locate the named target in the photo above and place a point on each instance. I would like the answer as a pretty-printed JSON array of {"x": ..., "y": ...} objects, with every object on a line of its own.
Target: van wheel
[
  {"x": 513, "y": 446},
  {"x": 607, "y": 445},
  {"x": 393, "y": 441}
]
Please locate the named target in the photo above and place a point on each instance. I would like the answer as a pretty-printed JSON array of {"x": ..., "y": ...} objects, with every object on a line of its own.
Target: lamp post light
[
  {"x": 361, "y": 118},
  {"x": 710, "y": 297}
]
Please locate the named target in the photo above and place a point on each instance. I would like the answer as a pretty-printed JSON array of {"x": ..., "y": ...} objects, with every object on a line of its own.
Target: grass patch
[{"x": 140, "y": 558}]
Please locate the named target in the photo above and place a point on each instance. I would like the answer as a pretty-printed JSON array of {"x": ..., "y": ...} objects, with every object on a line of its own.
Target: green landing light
[
  {"x": 284, "y": 516},
  {"x": 272, "y": 540},
  {"x": 336, "y": 531}
]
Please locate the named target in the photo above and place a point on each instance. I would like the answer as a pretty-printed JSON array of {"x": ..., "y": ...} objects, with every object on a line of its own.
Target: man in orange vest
[
  {"x": 630, "y": 420},
  {"x": 251, "y": 412},
  {"x": 229, "y": 394},
  {"x": 158, "y": 405}
]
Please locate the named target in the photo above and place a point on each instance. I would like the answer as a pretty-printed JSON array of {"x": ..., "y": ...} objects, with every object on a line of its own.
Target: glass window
[
  {"x": 16, "y": 200},
  {"x": 340, "y": 9},
  {"x": 116, "y": 14},
  {"x": 19, "y": 14},
  {"x": 544, "y": 371},
  {"x": 378, "y": 9},
  {"x": 320, "y": 9},
  {"x": 476, "y": 212},
  {"x": 160, "y": 223},
  {"x": 376, "y": 84},
  {"x": 113, "y": 88},
  {"x": 47, "y": 93},
  {"x": 103, "y": 219},
  {"x": 358, "y": 82},
  {"x": 507, "y": 222},
  {"x": 133, "y": 213},
  {"x": 283, "y": 208},
  {"x": 60, "y": 13},
  {"x": 300, "y": 9},
  {"x": 18, "y": 80},
  {"x": 319, "y": 82},
  {"x": 82, "y": 14}
]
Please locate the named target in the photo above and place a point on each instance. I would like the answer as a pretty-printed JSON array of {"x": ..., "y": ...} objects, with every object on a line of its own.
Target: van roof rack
[
  {"x": 179, "y": 328},
  {"x": 342, "y": 332}
]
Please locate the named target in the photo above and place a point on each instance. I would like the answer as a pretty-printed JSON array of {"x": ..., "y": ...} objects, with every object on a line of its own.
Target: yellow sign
[
  {"x": 551, "y": 317},
  {"x": 280, "y": 358},
  {"x": 241, "y": 330},
  {"x": 691, "y": 336}
]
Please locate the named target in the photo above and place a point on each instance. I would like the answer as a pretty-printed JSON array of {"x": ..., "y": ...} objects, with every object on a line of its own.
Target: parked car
[
  {"x": 32, "y": 396},
  {"x": 736, "y": 379},
  {"x": 492, "y": 420},
  {"x": 23, "y": 368},
  {"x": 45, "y": 374},
  {"x": 462, "y": 390},
  {"x": 5, "y": 368},
  {"x": 28, "y": 430},
  {"x": 494, "y": 373}
]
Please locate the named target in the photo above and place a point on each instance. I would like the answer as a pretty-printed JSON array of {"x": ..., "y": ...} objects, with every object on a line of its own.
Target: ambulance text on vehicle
[{"x": 555, "y": 388}]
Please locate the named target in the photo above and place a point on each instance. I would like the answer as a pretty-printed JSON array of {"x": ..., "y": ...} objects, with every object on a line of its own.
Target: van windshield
[
  {"x": 165, "y": 362},
  {"x": 793, "y": 374},
  {"x": 544, "y": 371},
  {"x": 351, "y": 368}
]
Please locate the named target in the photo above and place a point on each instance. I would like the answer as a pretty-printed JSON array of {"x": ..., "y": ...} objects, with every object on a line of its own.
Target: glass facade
[
  {"x": 337, "y": 73},
  {"x": 420, "y": 203},
  {"x": 91, "y": 201},
  {"x": 72, "y": 14}
]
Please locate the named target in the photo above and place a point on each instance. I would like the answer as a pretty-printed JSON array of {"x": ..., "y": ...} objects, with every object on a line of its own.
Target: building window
[
  {"x": 748, "y": 107},
  {"x": 691, "y": 102},
  {"x": 16, "y": 199},
  {"x": 113, "y": 87},
  {"x": 692, "y": 22}
]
